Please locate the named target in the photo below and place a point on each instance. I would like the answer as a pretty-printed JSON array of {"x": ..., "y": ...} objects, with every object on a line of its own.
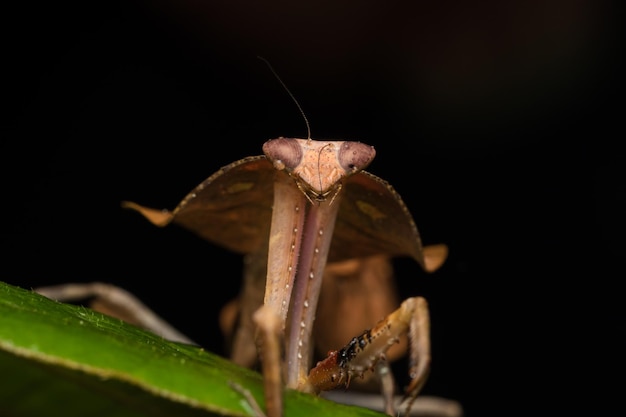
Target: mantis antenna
[{"x": 308, "y": 127}]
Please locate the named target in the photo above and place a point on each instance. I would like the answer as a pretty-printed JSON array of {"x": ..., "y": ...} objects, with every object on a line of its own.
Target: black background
[{"x": 496, "y": 123}]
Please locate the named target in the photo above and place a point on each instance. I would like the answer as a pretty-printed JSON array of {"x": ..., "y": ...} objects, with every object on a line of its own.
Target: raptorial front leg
[
  {"x": 413, "y": 318},
  {"x": 364, "y": 352}
]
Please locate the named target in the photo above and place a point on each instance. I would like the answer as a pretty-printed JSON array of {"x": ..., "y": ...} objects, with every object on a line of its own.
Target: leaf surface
[{"x": 66, "y": 360}]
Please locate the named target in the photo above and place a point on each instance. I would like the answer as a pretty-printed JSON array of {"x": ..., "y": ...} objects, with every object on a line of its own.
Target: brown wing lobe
[
  {"x": 231, "y": 208},
  {"x": 373, "y": 220}
]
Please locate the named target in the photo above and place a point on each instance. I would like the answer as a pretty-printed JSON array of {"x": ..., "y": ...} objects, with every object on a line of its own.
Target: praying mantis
[{"x": 299, "y": 212}]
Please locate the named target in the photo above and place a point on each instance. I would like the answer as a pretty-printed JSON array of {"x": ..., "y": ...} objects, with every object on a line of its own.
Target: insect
[{"x": 302, "y": 205}]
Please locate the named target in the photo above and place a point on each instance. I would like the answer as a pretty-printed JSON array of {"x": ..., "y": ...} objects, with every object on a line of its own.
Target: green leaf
[{"x": 61, "y": 359}]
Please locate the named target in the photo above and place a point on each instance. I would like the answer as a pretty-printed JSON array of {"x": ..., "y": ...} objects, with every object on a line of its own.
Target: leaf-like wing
[
  {"x": 233, "y": 208},
  {"x": 373, "y": 220}
]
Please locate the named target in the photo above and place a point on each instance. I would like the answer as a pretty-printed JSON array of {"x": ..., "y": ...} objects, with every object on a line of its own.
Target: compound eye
[
  {"x": 283, "y": 152},
  {"x": 355, "y": 156}
]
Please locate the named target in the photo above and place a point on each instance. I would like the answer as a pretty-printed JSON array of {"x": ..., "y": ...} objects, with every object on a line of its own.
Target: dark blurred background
[{"x": 498, "y": 123}]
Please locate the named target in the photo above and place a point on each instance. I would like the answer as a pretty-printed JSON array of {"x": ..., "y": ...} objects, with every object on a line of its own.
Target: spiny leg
[
  {"x": 236, "y": 316},
  {"x": 412, "y": 317},
  {"x": 269, "y": 342},
  {"x": 420, "y": 355},
  {"x": 316, "y": 242},
  {"x": 365, "y": 351},
  {"x": 387, "y": 384},
  {"x": 116, "y": 302}
]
